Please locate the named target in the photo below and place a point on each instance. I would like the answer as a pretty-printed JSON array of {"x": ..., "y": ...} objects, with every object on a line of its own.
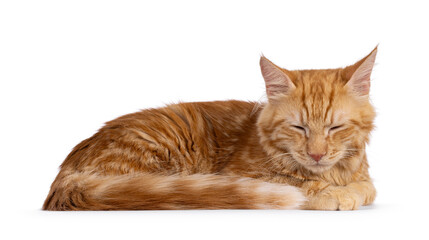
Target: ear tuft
[
  {"x": 359, "y": 74},
  {"x": 277, "y": 82}
]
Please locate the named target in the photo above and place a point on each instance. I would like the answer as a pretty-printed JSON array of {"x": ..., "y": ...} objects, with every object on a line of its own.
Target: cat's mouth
[
  {"x": 311, "y": 165},
  {"x": 318, "y": 167}
]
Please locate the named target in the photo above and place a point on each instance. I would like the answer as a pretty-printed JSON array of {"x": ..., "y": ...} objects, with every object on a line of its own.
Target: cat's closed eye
[
  {"x": 299, "y": 128},
  {"x": 335, "y": 128}
]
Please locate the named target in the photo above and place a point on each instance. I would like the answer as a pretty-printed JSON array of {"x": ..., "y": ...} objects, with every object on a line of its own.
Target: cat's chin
[{"x": 318, "y": 168}]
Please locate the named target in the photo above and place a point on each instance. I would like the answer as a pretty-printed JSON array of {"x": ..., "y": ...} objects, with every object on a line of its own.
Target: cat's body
[{"x": 232, "y": 154}]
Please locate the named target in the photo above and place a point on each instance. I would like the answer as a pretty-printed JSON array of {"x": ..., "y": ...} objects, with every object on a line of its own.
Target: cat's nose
[{"x": 316, "y": 157}]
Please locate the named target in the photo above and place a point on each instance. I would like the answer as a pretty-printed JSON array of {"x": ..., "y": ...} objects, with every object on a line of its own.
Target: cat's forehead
[
  {"x": 319, "y": 113},
  {"x": 317, "y": 77},
  {"x": 318, "y": 96}
]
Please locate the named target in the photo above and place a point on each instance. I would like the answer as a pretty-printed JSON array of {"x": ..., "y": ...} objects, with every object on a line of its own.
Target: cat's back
[{"x": 185, "y": 137}]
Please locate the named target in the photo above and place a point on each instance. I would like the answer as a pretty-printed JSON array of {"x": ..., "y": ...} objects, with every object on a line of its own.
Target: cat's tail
[{"x": 81, "y": 191}]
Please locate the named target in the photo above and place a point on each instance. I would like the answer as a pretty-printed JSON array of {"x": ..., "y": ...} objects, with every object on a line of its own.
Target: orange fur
[{"x": 233, "y": 154}]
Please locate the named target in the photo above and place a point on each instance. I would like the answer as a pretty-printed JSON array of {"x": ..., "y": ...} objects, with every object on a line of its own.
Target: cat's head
[{"x": 316, "y": 118}]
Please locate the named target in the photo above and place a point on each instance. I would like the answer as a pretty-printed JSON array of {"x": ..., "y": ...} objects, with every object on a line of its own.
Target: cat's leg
[
  {"x": 323, "y": 196},
  {"x": 366, "y": 190}
]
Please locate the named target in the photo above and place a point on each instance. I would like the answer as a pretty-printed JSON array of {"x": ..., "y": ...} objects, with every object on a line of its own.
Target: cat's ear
[
  {"x": 277, "y": 82},
  {"x": 358, "y": 74}
]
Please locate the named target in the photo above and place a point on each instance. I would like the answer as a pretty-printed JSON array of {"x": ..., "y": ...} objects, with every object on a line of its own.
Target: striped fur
[{"x": 232, "y": 154}]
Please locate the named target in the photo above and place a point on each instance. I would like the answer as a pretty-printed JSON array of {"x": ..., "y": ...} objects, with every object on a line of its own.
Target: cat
[{"x": 302, "y": 149}]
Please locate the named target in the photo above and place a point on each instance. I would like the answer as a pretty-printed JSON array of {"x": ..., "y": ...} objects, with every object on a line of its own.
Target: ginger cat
[{"x": 304, "y": 148}]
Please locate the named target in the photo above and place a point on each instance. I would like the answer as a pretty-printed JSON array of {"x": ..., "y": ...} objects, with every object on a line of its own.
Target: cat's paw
[
  {"x": 335, "y": 198},
  {"x": 349, "y": 201}
]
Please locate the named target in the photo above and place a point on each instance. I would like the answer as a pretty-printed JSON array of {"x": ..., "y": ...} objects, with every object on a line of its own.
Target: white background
[{"x": 66, "y": 67}]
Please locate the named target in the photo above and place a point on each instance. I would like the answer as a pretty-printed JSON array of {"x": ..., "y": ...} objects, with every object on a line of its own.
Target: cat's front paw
[
  {"x": 335, "y": 198},
  {"x": 349, "y": 201}
]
